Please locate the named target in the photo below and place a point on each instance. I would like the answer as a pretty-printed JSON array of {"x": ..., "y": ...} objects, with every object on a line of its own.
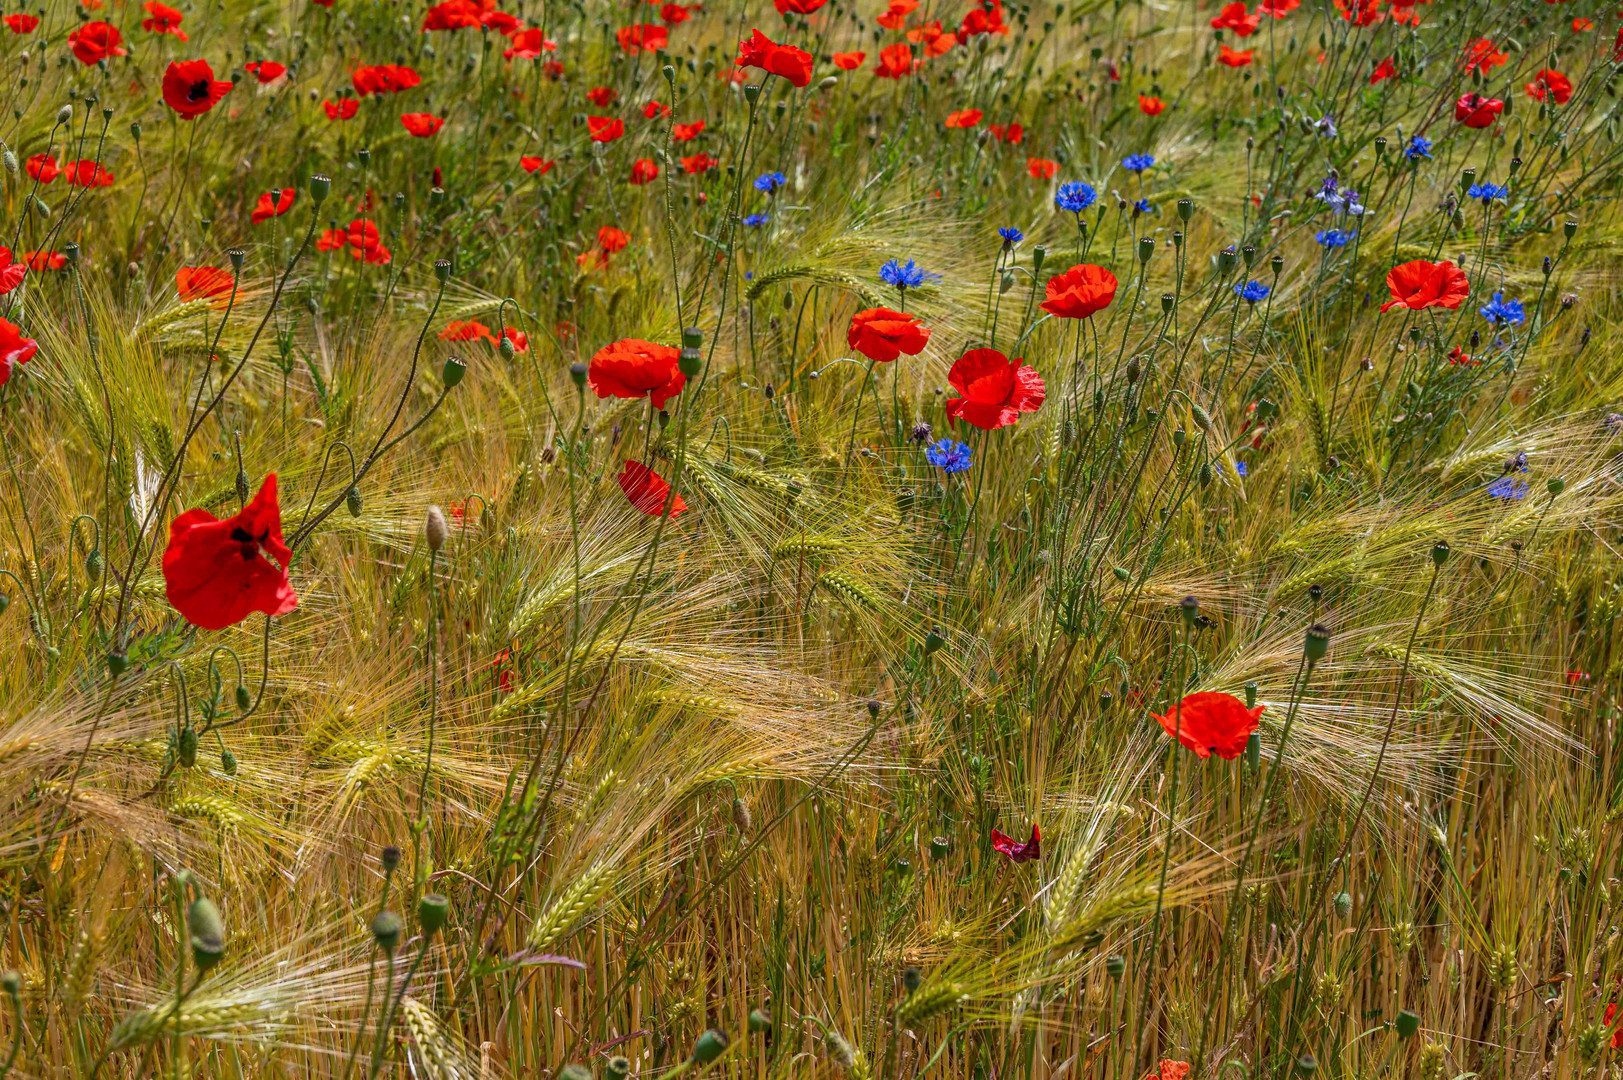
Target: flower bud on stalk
[{"x": 435, "y": 528}]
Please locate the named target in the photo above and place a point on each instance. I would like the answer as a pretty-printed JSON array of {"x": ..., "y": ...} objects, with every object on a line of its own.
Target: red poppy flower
[
  {"x": 646, "y": 490},
  {"x": 520, "y": 340},
  {"x": 1210, "y": 723},
  {"x": 898, "y": 11},
  {"x": 1080, "y": 292},
  {"x": 471, "y": 330},
  {"x": 11, "y": 273},
  {"x": 342, "y": 109},
  {"x": 611, "y": 239},
  {"x": 642, "y": 37},
  {"x": 985, "y": 17},
  {"x": 87, "y": 174},
  {"x": 605, "y": 128},
  {"x": 1169, "y": 1070},
  {"x": 45, "y": 260},
  {"x": 421, "y": 124},
  {"x": 1229, "y": 58},
  {"x": 190, "y": 88},
  {"x": 1386, "y": 69},
  {"x": 654, "y": 109},
  {"x": 644, "y": 171},
  {"x": 762, "y": 52},
  {"x": 882, "y": 335},
  {"x": 96, "y": 41},
  {"x": 270, "y": 205},
  {"x": 535, "y": 164},
  {"x": 797, "y": 7},
  {"x": 384, "y": 79},
  {"x": 204, "y": 283},
  {"x": 452, "y": 15},
  {"x": 219, "y": 572},
  {"x": 684, "y": 132},
  {"x": 43, "y": 167},
  {"x": 1481, "y": 56},
  {"x": 671, "y": 14},
  {"x": 1013, "y": 134},
  {"x": 502, "y": 22},
  {"x": 963, "y": 118},
  {"x": 592, "y": 260},
  {"x": 365, "y": 243},
  {"x": 895, "y": 62},
  {"x": 699, "y": 163},
  {"x": 1580, "y": 25},
  {"x": 634, "y": 368},
  {"x": 995, "y": 390},
  {"x": 1617, "y": 1034},
  {"x": 601, "y": 96},
  {"x": 527, "y": 45},
  {"x": 1360, "y": 12},
  {"x": 266, "y": 71},
  {"x": 1420, "y": 284},
  {"x": 1553, "y": 83},
  {"x": 14, "y": 349},
  {"x": 21, "y": 22},
  {"x": 1235, "y": 17},
  {"x": 163, "y": 19},
  {"x": 1041, "y": 168},
  {"x": 553, "y": 70},
  {"x": 1460, "y": 358},
  {"x": 849, "y": 61},
  {"x": 1151, "y": 106},
  {"x": 1278, "y": 8},
  {"x": 1015, "y": 851},
  {"x": 1475, "y": 111}
]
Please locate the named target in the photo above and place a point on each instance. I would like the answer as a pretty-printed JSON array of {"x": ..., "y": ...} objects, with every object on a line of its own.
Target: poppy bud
[
  {"x": 390, "y": 858},
  {"x": 1439, "y": 552},
  {"x": 1132, "y": 370},
  {"x": 442, "y": 270},
  {"x": 506, "y": 348},
  {"x": 689, "y": 362},
  {"x": 741, "y": 815},
  {"x": 1205, "y": 473},
  {"x": 432, "y": 912},
  {"x": 1190, "y": 608},
  {"x": 386, "y": 930},
  {"x": 1317, "y": 642},
  {"x": 94, "y": 564},
  {"x": 1006, "y": 282},
  {"x": 320, "y": 187},
  {"x": 117, "y": 662},
  {"x": 839, "y": 1051},
  {"x": 1253, "y": 752},
  {"x": 714, "y": 1041},
  {"x": 228, "y": 763},
  {"x": 617, "y": 1068},
  {"x": 236, "y": 255},
  {"x": 1555, "y": 485},
  {"x": 435, "y": 528},
  {"x": 352, "y": 501},
  {"x": 1186, "y": 208},
  {"x": 186, "y": 748},
  {"x": 135, "y": 133},
  {"x": 243, "y": 698},
  {"x": 1146, "y": 248},
  {"x": 452, "y": 372},
  {"x": 933, "y": 641},
  {"x": 207, "y": 932},
  {"x": 10, "y": 160},
  {"x": 664, "y": 419},
  {"x": 1038, "y": 255},
  {"x": 1407, "y": 1024},
  {"x": 1570, "y": 229},
  {"x": 577, "y": 372},
  {"x": 1115, "y": 966},
  {"x": 1203, "y": 419},
  {"x": 64, "y": 114}
]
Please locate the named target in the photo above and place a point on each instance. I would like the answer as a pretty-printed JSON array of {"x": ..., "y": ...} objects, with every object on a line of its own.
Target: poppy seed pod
[
  {"x": 186, "y": 748},
  {"x": 1146, "y": 248},
  {"x": 433, "y": 910},
  {"x": 1038, "y": 255},
  {"x": 1251, "y": 694},
  {"x": 1569, "y": 230},
  {"x": 390, "y": 858},
  {"x": 1189, "y": 607},
  {"x": 617, "y": 1067},
  {"x": 689, "y": 362},
  {"x": 1380, "y": 145},
  {"x": 442, "y": 270},
  {"x": 117, "y": 662},
  {"x": 1307, "y": 1065},
  {"x": 1407, "y": 1024},
  {"x": 1225, "y": 260},
  {"x": 135, "y": 132},
  {"x": 320, "y": 187},
  {"x": 1115, "y": 966},
  {"x": 709, "y": 1047},
  {"x": 452, "y": 372},
  {"x": 1253, "y": 751},
  {"x": 933, "y": 641},
  {"x": 1186, "y": 209},
  {"x": 1249, "y": 254},
  {"x": 435, "y": 528},
  {"x": 364, "y": 156},
  {"x": 752, "y": 93},
  {"x": 207, "y": 933},
  {"x": 1317, "y": 642},
  {"x": 1276, "y": 264},
  {"x": 386, "y": 930},
  {"x": 574, "y": 1070},
  {"x": 352, "y": 501},
  {"x": 692, "y": 337},
  {"x": 759, "y": 1021},
  {"x": 236, "y": 255},
  {"x": 1440, "y": 551}
]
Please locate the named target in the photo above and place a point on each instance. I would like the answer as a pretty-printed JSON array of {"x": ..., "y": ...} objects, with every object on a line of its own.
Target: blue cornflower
[
  {"x": 770, "y": 182},
  {"x": 1143, "y": 206},
  {"x": 1252, "y": 291},
  {"x": 1137, "y": 162},
  {"x": 1487, "y": 192},
  {"x": 905, "y": 275},
  {"x": 1074, "y": 196},
  {"x": 1333, "y": 238},
  {"x": 1350, "y": 204},
  {"x": 1506, "y": 488},
  {"x": 752, "y": 220},
  {"x": 1500, "y": 310},
  {"x": 1419, "y": 147},
  {"x": 1240, "y": 467},
  {"x": 1011, "y": 236},
  {"x": 1326, "y": 127},
  {"x": 948, "y": 456}
]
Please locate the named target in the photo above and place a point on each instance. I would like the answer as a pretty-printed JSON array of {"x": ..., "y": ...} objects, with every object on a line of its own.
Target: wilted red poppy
[
  {"x": 684, "y": 132},
  {"x": 535, "y": 164},
  {"x": 87, "y": 174},
  {"x": 699, "y": 163},
  {"x": 1151, "y": 106},
  {"x": 527, "y": 45},
  {"x": 266, "y": 71},
  {"x": 642, "y": 37},
  {"x": 1481, "y": 56},
  {"x": 634, "y": 368},
  {"x": 190, "y": 88},
  {"x": 45, "y": 260},
  {"x": 882, "y": 335},
  {"x": 1211, "y": 723},
  {"x": 605, "y": 128},
  {"x": 452, "y": 15},
  {"x": 644, "y": 171},
  {"x": 470, "y": 330},
  {"x": 384, "y": 79},
  {"x": 895, "y": 62},
  {"x": 1015, "y": 851},
  {"x": 1421, "y": 284},
  {"x": 1475, "y": 111},
  {"x": 1041, "y": 168},
  {"x": 1386, "y": 69},
  {"x": 1235, "y": 17},
  {"x": 96, "y": 41},
  {"x": 273, "y": 205},
  {"x": 1230, "y": 58},
  {"x": 849, "y": 61},
  {"x": 204, "y": 283},
  {"x": 646, "y": 490},
  {"x": 995, "y": 390},
  {"x": 762, "y": 52},
  {"x": 342, "y": 109},
  {"x": 219, "y": 572},
  {"x": 601, "y": 96},
  {"x": 797, "y": 7},
  {"x": 21, "y": 22},
  {"x": 421, "y": 124},
  {"x": 963, "y": 118},
  {"x": 611, "y": 239},
  {"x": 1552, "y": 83},
  {"x": 163, "y": 19},
  {"x": 43, "y": 167},
  {"x": 1080, "y": 291}
]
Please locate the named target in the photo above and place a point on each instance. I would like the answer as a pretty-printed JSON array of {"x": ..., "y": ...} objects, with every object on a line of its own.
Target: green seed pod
[
  {"x": 94, "y": 565},
  {"x": 186, "y": 752},
  {"x": 1307, "y": 1065},
  {"x": 760, "y": 1021},
  {"x": 939, "y": 847},
  {"x": 1186, "y": 209},
  {"x": 442, "y": 270},
  {"x": 207, "y": 932},
  {"x": 709, "y": 1047},
  {"x": 1146, "y": 248},
  {"x": 692, "y": 337},
  {"x": 433, "y": 910},
  {"x": 1039, "y": 255},
  {"x": 452, "y": 372},
  {"x": 1439, "y": 552},
  {"x": 1555, "y": 485},
  {"x": 1569, "y": 230},
  {"x": 228, "y": 763},
  {"x": 689, "y": 361},
  {"x": 1253, "y": 752},
  {"x": 933, "y": 641},
  {"x": 12, "y": 984},
  {"x": 320, "y": 188},
  {"x": 1317, "y": 643},
  {"x": 1122, "y": 573},
  {"x": 1407, "y": 1024},
  {"x": 117, "y": 662},
  {"x": 1167, "y": 302},
  {"x": 575, "y": 1071},
  {"x": 1251, "y": 695},
  {"x": 617, "y": 1068},
  {"x": 1203, "y": 419},
  {"x": 386, "y": 930},
  {"x": 1115, "y": 966},
  {"x": 352, "y": 501},
  {"x": 911, "y": 980}
]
